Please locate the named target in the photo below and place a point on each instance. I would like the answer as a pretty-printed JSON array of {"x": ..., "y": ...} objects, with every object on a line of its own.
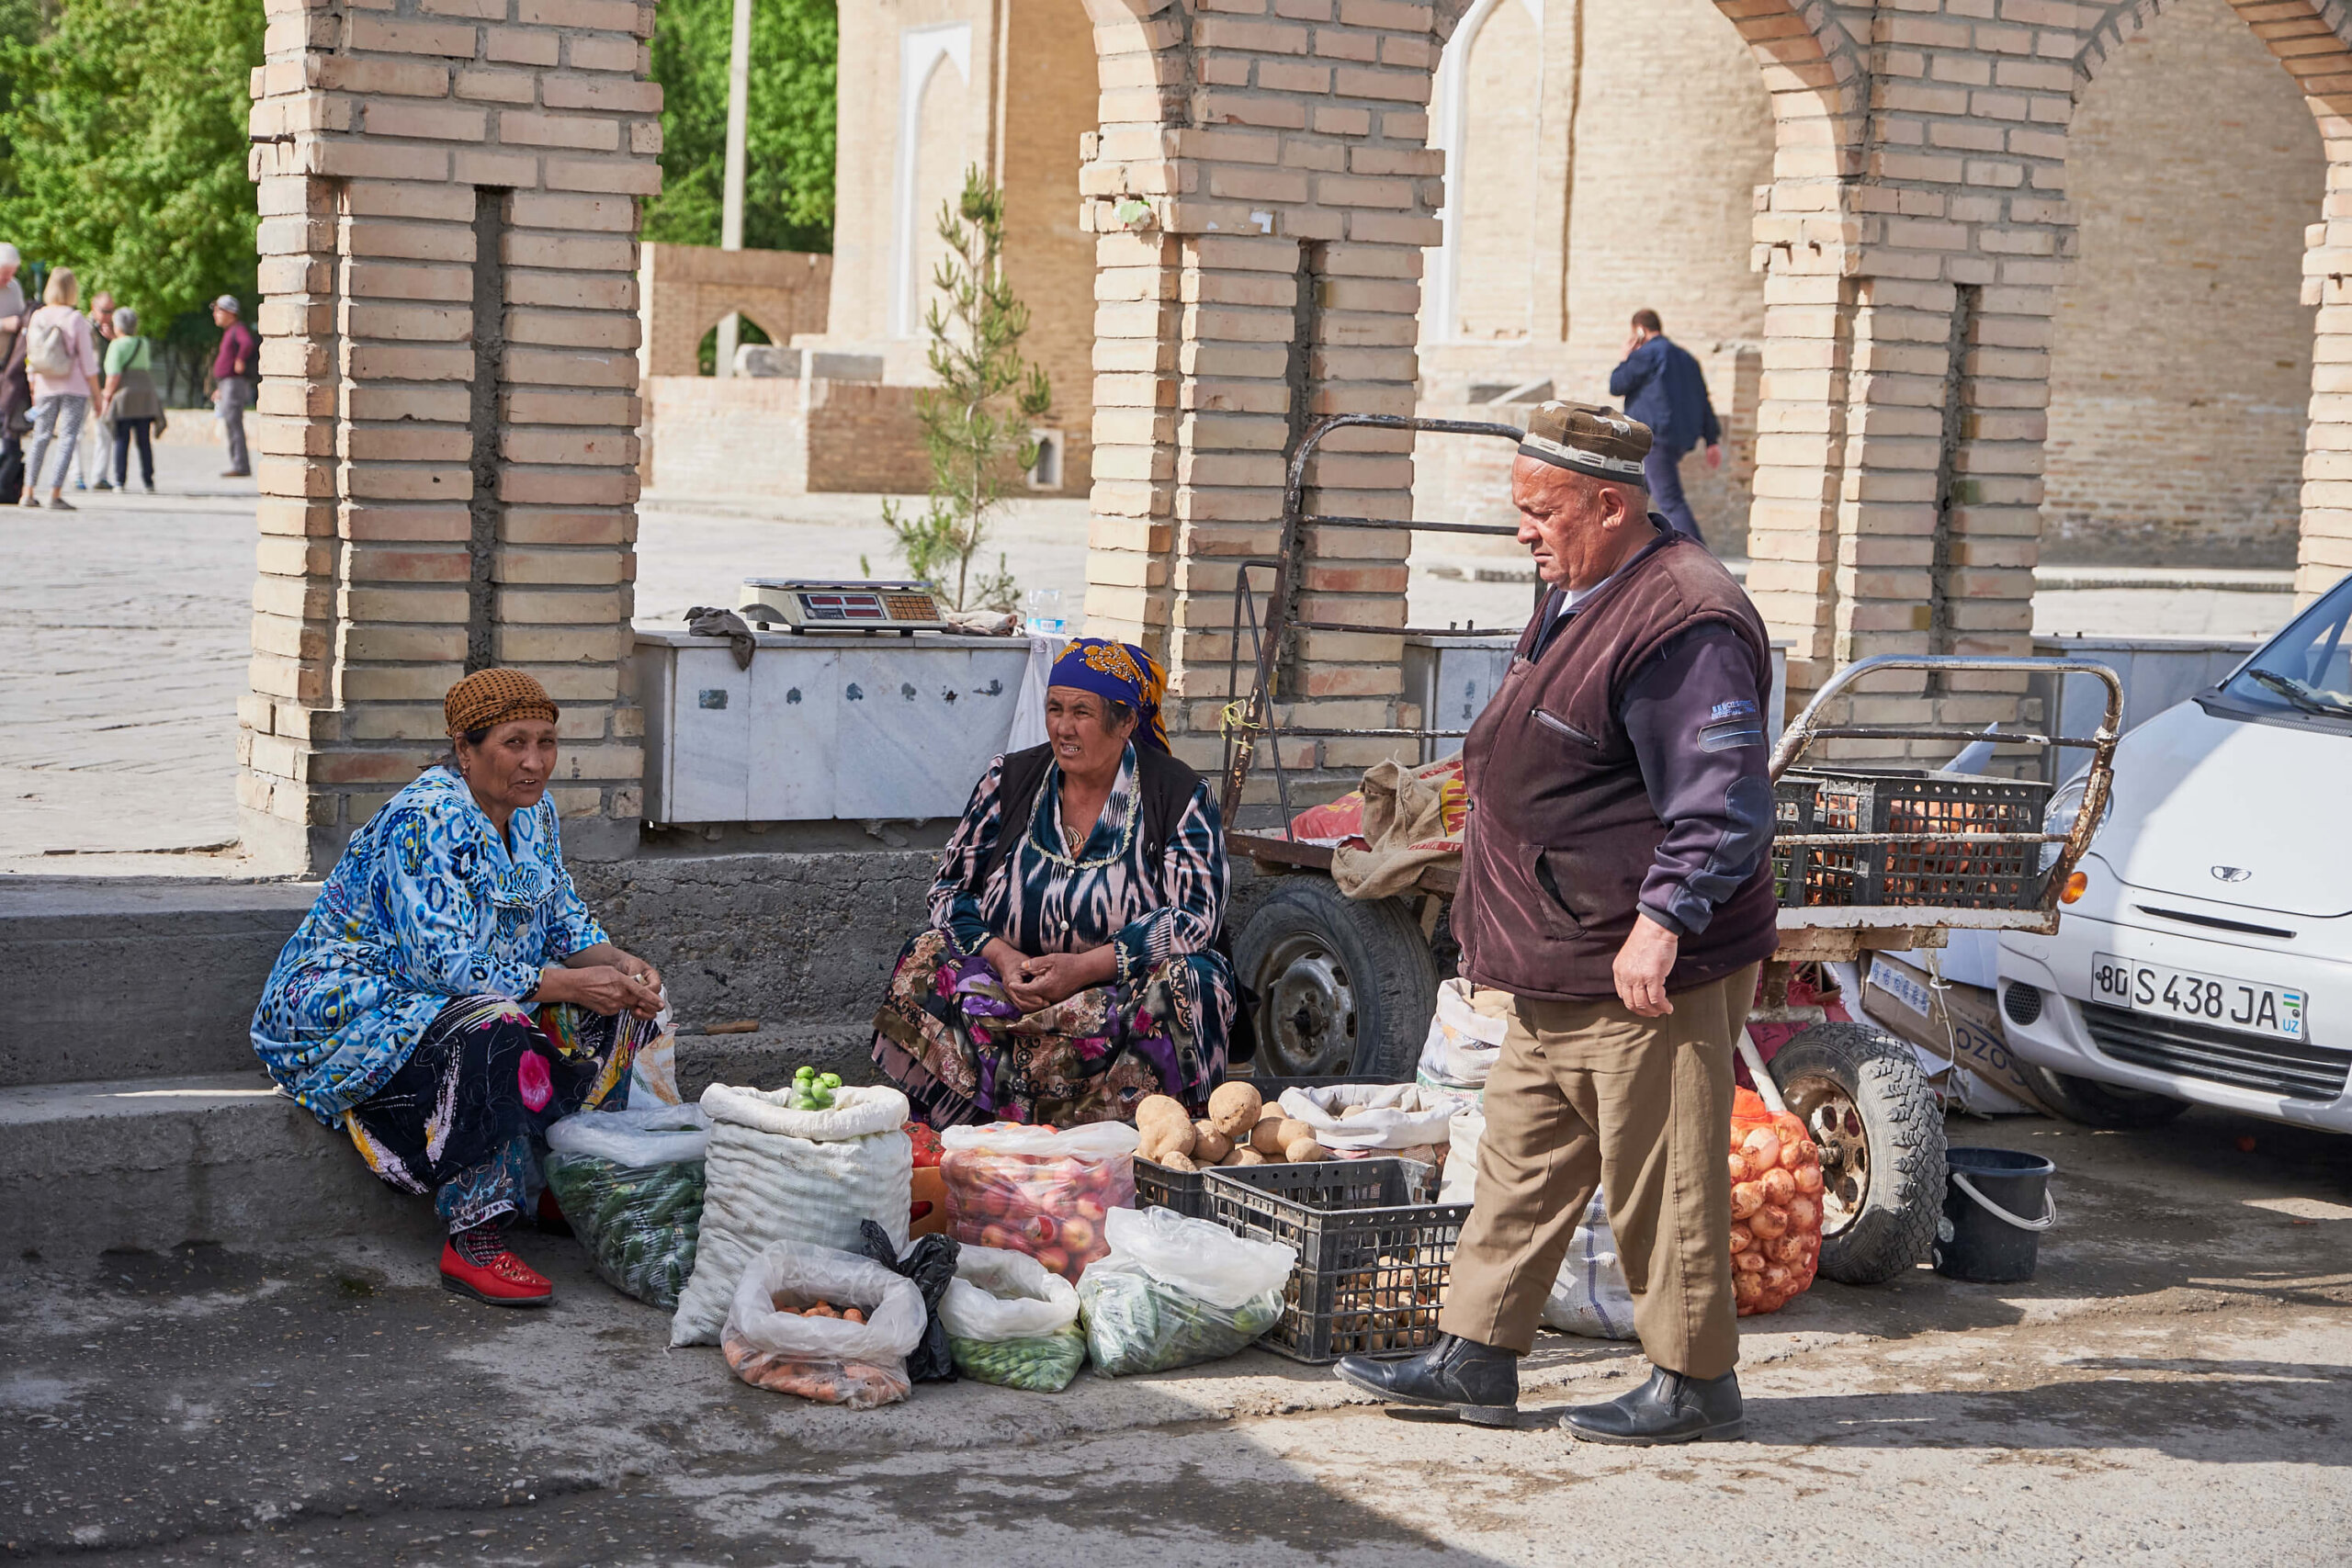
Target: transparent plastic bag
[
  {"x": 1011, "y": 1322},
  {"x": 630, "y": 1184},
  {"x": 1462, "y": 1043},
  {"x": 830, "y": 1359},
  {"x": 1024, "y": 1188},
  {"x": 1174, "y": 1291}
]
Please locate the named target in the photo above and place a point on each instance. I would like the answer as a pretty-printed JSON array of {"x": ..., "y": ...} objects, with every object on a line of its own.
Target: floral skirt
[
  {"x": 465, "y": 1118},
  {"x": 1090, "y": 1058}
]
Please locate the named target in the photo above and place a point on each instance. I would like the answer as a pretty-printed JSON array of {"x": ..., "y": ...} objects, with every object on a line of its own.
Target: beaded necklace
[{"x": 1119, "y": 843}]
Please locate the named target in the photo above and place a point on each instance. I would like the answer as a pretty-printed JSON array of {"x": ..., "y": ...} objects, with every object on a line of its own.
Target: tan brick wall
[
  {"x": 686, "y": 291},
  {"x": 2184, "y": 443},
  {"x": 778, "y": 438}
]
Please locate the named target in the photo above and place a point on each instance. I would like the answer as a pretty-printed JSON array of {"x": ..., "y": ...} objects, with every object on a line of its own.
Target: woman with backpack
[
  {"x": 64, "y": 363},
  {"x": 129, "y": 399}
]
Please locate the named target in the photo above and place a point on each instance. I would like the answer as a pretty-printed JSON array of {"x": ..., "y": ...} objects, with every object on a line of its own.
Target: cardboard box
[
  {"x": 928, "y": 1213},
  {"x": 1958, "y": 1023}
]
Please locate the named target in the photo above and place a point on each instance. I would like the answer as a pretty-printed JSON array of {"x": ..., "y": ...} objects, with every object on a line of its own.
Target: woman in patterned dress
[
  {"x": 1070, "y": 969},
  {"x": 449, "y": 995}
]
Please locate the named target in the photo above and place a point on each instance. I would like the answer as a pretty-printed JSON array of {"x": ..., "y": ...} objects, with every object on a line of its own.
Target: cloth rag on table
[{"x": 708, "y": 620}]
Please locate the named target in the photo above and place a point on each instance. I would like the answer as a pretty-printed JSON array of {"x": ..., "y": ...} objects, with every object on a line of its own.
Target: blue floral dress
[
  {"x": 945, "y": 1032},
  {"x": 396, "y": 1009}
]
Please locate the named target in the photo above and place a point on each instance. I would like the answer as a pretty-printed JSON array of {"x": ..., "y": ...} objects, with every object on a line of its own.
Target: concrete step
[
  {"x": 125, "y": 979},
  {"x": 149, "y": 1163}
]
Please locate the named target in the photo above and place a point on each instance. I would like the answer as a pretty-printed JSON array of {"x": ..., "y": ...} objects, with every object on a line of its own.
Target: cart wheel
[
  {"x": 1343, "y": 986},
  {"x": 2096, "y": 1104},
  {"x": 1863, "y": 1097}
]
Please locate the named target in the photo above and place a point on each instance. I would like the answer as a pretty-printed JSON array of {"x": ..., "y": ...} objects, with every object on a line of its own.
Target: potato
[
  {"x": 1173, "y": 1161},
  {"x": 1355, "y": 1111},
  {"x": 1209, "y": 1145},
  {"x": 1267, "y": 1139},
  {"x": 1245, "y": 1156},
  {"x": 1292, "y": 1130},
  {"x": 1234, "y": 1108},
  {"x": 1163, "y": 1128},
  {"x": 1299, "y": 1151}
]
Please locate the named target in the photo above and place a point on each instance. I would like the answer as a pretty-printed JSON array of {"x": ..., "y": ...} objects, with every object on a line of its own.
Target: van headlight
[{"x": 2065, "y": 806}]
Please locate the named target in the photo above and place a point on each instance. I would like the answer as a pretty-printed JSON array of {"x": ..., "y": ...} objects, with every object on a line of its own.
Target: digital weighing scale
[{"x": 806, "y": 605}]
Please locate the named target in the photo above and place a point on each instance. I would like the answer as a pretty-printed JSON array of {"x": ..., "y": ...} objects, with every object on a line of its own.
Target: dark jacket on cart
[{"x": 1621, "y": 770}]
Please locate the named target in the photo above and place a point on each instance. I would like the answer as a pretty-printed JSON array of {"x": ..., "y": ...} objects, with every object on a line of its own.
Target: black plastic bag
[{"x": 930, "y": 1264}]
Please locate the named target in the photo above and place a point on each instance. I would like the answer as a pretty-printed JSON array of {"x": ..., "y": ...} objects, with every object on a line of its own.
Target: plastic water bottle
[{"x": 1043, "y": 610}]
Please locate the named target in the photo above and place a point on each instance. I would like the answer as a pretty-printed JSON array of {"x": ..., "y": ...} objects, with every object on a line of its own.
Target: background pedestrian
[
  {"x": 62, "y": 362},
  {"x": 233, "y": 382},
  {"x": 131, "y": 403},
  {"x": 96, "y": 442},
  {"x": 1664, "y": 388},
  {"x": 16, "y": 393}
]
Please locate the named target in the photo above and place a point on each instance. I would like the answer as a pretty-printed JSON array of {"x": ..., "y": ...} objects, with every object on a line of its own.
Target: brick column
[
  {"x": 448, "y": 412},
  {"x": 2309, "y": 40}
]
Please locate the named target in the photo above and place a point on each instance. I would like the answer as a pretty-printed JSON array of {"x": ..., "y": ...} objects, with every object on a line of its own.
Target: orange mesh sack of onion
[{"x": 1775, "y": 1205}]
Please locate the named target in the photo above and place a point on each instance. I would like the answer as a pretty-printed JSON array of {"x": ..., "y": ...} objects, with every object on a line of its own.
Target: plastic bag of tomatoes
[
  {"x": 1033, "y": 1190},
  {"x": 1775, "y": 1205}
]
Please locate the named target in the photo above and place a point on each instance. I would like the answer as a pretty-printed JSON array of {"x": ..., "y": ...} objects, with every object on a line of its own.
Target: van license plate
[{"x": 2244, "y": 1005}]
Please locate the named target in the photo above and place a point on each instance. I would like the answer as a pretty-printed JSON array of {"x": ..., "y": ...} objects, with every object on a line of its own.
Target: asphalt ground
[{"x": 2175, "y": 1386}]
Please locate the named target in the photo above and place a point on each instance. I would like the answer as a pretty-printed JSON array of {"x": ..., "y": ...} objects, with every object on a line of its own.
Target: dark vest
[{"x": 1561, "y": 832}]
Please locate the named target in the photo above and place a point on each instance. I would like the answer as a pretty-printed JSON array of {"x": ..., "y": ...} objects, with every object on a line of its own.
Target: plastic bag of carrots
[
  {"x": 1775, "y": 1205},
  {"x": 826, "y": 1325}
]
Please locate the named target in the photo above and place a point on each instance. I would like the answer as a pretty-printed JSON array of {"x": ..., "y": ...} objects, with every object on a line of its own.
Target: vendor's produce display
[
  {"x": 1374, "y": 1255},
  {"x": 1011, "y": 1322},
  {"x": 1173, "y": 1291},
  {"x": 1354, "y": 1121},
  {"x": 927, "y": 1213},
  {"x": 777, "y": 1174},
  {"x": 1775, "y": 1205},
  {"x": 810, "y": 1089},
  {"x": 1033, "y": 1190},
  {"x": 823, "y": 1324},
  {"x": 630, "y": 1183},
  {"x": 1174, "y": 1147}
]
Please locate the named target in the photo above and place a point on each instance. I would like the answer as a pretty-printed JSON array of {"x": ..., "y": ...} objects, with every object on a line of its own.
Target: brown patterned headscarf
[{"x": 494, "y": 696}]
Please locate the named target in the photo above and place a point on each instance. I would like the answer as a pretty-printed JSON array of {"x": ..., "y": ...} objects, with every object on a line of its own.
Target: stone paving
[{"x": 131, "y": 622}]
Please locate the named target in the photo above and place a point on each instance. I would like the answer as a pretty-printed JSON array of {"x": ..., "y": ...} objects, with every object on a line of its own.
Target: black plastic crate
[
  {"x": 1373, "y": 1252},
  {"x": 1941, "y": 876},
  {"x": 1157, "y": 1187}
]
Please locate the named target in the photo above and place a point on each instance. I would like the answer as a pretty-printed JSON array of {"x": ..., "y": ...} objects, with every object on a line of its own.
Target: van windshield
[{"x": 2302, "y": 673}]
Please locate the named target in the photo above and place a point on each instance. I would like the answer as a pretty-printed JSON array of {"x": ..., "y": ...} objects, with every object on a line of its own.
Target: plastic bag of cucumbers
[
  {"x": 1011, "y": 1322},
  {"x": 1175, "y": 1290},
  {"x": 631, "y": 1182}
]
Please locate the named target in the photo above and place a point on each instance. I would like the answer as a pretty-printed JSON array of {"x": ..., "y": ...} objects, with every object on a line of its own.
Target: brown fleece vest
[{"x": 1561, "y": 831}]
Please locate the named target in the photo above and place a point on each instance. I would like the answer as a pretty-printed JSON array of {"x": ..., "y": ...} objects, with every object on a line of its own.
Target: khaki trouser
[{"x": 1590, "y": 1094}]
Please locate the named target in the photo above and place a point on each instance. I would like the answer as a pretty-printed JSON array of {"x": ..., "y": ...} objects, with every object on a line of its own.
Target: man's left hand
[
  {"x": 1714, "y": 454},
  {"x": 1642, "y": 965}
]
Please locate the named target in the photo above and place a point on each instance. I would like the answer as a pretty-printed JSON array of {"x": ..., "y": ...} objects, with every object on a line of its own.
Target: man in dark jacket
[
  {"x": 1664, "y": 388},
  {"x": 1616, "y": 901}
]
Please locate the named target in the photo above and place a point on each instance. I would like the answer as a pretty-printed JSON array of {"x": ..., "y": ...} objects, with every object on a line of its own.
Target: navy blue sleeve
[
  {"x": 1709, "y": 425},
  {"x": 1696, "y": 721},
  {"x": 1627, "y": 378}
]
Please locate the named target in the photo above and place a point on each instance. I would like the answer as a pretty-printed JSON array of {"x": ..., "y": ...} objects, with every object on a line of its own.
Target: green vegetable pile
[
  {"x": 1044, "y": 1364},
  {"x": 813, "y": 1091},
  {"x": 1136, "y": 1324},
  {"x": 639, "y": 1223}
]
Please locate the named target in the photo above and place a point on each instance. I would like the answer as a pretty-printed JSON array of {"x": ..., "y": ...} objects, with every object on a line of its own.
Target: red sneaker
[{"x": 504, "y": 1280}]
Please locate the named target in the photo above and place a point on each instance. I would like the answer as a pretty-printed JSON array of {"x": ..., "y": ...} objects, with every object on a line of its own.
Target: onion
[
  {"x": 1778, "y": 1278},
  {"x": 1746, "y": 1198},
  {"x": 1789, "y": 1130},
  {"x": 1762, "y": 1148},
  {"x": 1745, "y": 1287},
  {"x": 1739, "y": 1171},
  {"x": 1798, "y": 1155},
  {"x": 1748, "y": 1262},
  {"x": 1769, "y": 1221},
  {"x": 1789, "y": 1248},
  {"x": 1807, "y": 1177},
  {"x": 1742, "y": 1238},
  {"x": 1804, "y": 1215},
  {"x": 1779, "y": 1187}
]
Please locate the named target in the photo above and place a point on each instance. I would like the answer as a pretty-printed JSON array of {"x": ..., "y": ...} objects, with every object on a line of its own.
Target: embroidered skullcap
[
  {"x": 494, "y": 696},
  {"x": 1119, "y": 672},
  {"x": 1588, "y": 440}
]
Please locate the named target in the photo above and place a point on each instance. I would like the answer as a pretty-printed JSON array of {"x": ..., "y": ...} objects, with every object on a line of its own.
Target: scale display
[{"x": 803, "y": 605}]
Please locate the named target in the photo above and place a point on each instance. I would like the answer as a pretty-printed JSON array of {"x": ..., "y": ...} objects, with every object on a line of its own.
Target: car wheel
[
  {"x": 2096, "y": 1104},
  {"x": 1862, "y": 1096},
  {"x": 1344, "y": 985}
]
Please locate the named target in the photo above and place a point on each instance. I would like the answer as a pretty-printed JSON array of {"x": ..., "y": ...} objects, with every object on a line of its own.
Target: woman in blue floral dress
[
  {"x": 1071, "y": 968},
  {"x": 449, "y": 995}
]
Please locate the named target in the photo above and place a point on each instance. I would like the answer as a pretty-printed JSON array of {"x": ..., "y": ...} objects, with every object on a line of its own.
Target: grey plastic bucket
[{"x": 1995, "y": 1209}]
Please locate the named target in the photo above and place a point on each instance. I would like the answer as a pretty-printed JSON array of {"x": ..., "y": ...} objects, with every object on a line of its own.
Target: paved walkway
[{"x": 128, "y": 623}]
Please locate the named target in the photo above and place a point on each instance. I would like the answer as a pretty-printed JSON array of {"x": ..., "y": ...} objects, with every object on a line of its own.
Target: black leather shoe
[
  {"x": 1478, "y": 1382},
  {"x": 1670, "y": 1408}
]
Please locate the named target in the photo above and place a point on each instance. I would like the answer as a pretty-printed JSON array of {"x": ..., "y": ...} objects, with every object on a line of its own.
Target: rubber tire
[
  {"x": 1378, "y": 946},
  {"x": 1904, "y": 1131},
  {"x": 2096, "y": 1104}
]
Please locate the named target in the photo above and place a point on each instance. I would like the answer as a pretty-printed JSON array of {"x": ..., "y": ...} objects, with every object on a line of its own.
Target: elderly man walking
[
  {"x": 1665, "y": 390},
  {"x": 1616, "y": 901},
  {"x": 233, "y": 382}
]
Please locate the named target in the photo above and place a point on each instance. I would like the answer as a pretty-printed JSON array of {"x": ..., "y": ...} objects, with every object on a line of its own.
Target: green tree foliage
[
  {"x": 788, "y": 163},
  {"x": 976, "y": 443},
  {"x": 123, "y": 135}
]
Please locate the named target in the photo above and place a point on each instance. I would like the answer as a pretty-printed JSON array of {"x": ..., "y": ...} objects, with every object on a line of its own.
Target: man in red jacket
[
  {"x": 234, "y": 369},
  {"x": 1616, "y": 899}
]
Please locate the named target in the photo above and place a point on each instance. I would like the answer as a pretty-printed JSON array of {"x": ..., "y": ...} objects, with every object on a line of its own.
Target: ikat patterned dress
[
  {"x": 395, "y": 1011},
  {"x": 962, "y": 1052}
]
